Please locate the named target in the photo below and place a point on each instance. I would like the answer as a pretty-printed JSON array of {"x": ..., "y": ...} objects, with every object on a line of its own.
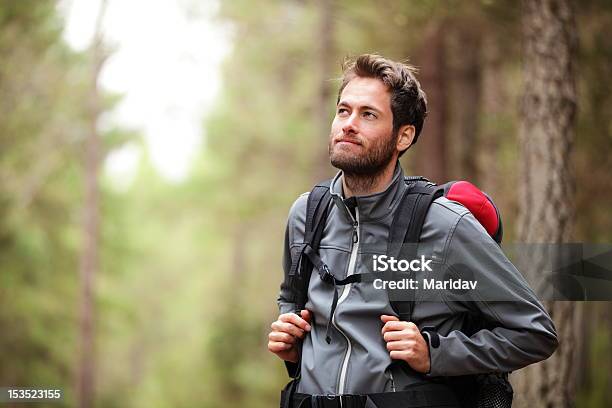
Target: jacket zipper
[{"x": 345, "y": 292}]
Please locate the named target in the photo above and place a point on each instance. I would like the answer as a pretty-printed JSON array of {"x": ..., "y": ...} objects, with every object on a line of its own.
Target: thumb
[
  {"x": 305, "y": 315},
  {"x": 388, "y": 318}
]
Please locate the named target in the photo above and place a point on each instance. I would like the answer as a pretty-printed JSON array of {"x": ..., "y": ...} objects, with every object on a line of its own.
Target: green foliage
[{"x": 38, "y": 172}]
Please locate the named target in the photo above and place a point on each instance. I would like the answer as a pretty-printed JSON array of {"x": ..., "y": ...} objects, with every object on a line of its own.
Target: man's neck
[{"x": 360, "y": 185}]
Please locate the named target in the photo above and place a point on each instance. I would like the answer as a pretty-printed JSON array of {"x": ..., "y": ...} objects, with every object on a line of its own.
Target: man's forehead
[{"x": 366, "y": 92}]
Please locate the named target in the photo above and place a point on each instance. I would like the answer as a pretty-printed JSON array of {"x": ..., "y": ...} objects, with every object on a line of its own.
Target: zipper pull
[{"x": 355, "y": 234}]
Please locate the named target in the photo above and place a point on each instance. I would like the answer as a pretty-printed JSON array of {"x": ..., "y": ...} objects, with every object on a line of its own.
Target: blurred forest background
[{"x": 161, "y": 294}]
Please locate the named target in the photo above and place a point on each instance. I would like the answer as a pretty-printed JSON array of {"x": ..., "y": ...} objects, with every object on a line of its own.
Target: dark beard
[
  {"x": 362, "y": 172},
  {"x": 369, "y": 165}
]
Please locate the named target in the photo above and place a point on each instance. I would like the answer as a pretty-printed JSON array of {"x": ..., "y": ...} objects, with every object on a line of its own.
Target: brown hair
[{"x": 408, "y": 101}]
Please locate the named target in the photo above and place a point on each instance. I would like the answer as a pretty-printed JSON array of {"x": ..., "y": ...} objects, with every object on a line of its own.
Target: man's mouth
[{"x": 348, "y": 141}]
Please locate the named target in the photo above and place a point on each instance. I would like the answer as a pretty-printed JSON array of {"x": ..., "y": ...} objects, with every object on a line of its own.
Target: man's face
[{"x": 361, "y": 139}]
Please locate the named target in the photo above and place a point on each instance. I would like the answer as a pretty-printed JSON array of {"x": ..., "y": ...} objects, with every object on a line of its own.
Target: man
[{"x": 379, "y": 115}]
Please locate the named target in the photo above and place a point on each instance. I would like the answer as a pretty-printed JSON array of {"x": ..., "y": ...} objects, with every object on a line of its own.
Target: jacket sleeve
[
  {"x": 521, "y": 332},
  {"x": 294, "y": 235},
  {"x": 285, "y": 297}
]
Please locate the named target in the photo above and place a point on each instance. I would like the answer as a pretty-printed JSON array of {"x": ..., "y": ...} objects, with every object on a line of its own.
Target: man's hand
[
  {"x": 285, "y": 333},
  {"x": 405, "y": 342}
]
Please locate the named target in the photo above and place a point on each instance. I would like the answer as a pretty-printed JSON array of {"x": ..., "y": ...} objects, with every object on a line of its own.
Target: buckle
[
  {"x": 338, "y": 401},
  {"x": 327, "y": 276}
]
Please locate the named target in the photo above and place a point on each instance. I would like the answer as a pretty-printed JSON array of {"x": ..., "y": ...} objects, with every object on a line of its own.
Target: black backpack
[{"x": 483, "y": 390}]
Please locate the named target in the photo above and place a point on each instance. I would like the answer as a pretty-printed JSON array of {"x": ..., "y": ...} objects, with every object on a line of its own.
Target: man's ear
[{"x": 405, "y": 138}]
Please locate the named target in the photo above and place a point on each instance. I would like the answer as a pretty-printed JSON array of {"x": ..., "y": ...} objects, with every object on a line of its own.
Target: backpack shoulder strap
[
  {"x": 427, "y": 193},
  {"x": 406, "y": 231},
  {"x": 317, "y": 209},
  {"x": 413, "y": 205}
]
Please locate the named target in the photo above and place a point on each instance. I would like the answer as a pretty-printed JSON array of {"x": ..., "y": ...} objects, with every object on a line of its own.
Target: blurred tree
[
  {"x": 43, "y": 122},
  {"x": 493, "y": 97},
  {"x": 546, "y": 185},
  {"x": 432, "y": 161},
  {"x": 322, "y": 108},
  {"x": 91, "y": 221},
  {"x": 40, "y": 119},
  {"x": 465, "y": 66},
  {"x": 594, "y": 141},
  {"x": 593, "y": 163}
]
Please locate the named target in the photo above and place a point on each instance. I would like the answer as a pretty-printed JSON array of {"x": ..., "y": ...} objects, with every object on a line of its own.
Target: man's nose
[{"x": 350, "y": 125}]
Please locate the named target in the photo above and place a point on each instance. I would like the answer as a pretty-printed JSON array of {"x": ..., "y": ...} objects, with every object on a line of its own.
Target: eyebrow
[{"x": 364, "y": 107}]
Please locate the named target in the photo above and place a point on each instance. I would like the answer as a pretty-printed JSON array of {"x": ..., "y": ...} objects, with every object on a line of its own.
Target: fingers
[
  {"x": 295, "y": 320},
  {"x": 388, "y": 318},
  {"x": 405, "y": 342},
  {"x": 290, "y": 328},
  {"x": 395, "y": 335},
  {"x": 282, "y": 337},
  {"x": 400, "y": 355},
  {"x": 401, "y": 345},
  {"x": 277, "y": 346},
  {"x": 292, "y": 324},
  {"x": 286, "y": 330},
  {"x": 306, "y": 315},
  {"x": 398, "y": 325}
]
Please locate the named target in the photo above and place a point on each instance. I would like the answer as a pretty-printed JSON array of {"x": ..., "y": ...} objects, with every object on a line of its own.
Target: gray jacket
[{"x": 357, "y": 361}]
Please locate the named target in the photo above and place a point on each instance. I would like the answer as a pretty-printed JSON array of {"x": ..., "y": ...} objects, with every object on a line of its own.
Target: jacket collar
[{"x": 373, "y": 206}]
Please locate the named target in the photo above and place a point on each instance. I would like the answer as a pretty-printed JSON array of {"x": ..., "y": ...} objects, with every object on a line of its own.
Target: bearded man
[{"x": 361, "y": 354}]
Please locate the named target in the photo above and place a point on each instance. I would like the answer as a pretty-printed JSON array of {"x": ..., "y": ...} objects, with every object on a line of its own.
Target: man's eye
[
  {"x": 342, "y": 110},
  {"x": 369, "y": 115}
]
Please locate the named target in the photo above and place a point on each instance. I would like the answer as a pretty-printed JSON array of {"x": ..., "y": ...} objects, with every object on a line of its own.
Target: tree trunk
[
  {"x": 493, "y": 108},
  {"x": 547, "y": 122},
  {"x": 431, "y": 160},
  {"x": 468, "y": 88},
  {"x": 325, "y": 55},
  {"x": 91, "y": 227},
  {"x": 546, "y": 190}
]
